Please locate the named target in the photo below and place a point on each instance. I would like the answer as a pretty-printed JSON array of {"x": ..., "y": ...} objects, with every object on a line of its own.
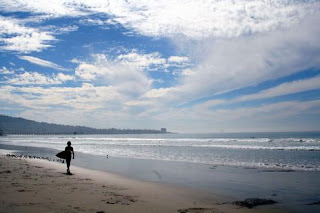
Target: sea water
[{"x": 289, "y": 151}]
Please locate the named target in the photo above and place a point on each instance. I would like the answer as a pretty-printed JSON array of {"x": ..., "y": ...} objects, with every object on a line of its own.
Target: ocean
[{"x": 286, "y": 151}]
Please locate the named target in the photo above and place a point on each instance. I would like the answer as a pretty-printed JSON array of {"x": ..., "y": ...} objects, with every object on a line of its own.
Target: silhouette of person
[{"x": 69, "y": 151}]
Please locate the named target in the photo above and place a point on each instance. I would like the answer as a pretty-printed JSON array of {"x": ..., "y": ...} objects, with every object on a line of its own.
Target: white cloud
[
  {"x": 67, "y": 29},
  {"x": 63, "y": 78},
  {"x": 179, "y": 62},
  {"x": 238, "y": 43},
  {"x": 188, "y": 72},
  {"x": 42, "y": 62},
  {"x": 226, "y": 65},
  {"x": 139, "y": 103},
  {"x": 178, "y": 59},
  {"x": 156, "y": 93},
  {"x": 127, "y": 72},
  {"x": 57, "y": 8},
  {"x": 268, "y": 111},
  {"x": 142, "y": 60},
  {"x": 283, "y": 116},
  {"x": 87, "y": 97},
  {"x": 198, "y": 19},
  {"x": 34, "y": 78},
  {"x": 284, "y": 89},
  {"x": 108, "y": 107},
  {"x": 147, "y": 62},
  {"x": 6, "y": 71},
  {"x": 16, "y": 37},
  {"x": 105, "y": 106},
  {"x": 52, "y": 29},
  {"x": 129, "y": 80},
  {"x": 153, "y": 61},
  {"x": 193, "y": 19},
  {"x": 100, "y": 22},
  {"x": 88, "y": 72},
  {"x": 75, "y": 61}
]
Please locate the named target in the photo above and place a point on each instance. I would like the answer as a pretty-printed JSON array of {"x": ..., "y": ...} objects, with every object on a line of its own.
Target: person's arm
[{"x": 73, "y": 153}]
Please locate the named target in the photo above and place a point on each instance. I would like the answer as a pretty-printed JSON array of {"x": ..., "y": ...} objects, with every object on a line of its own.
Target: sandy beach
[{"x": 33, "y": 185}]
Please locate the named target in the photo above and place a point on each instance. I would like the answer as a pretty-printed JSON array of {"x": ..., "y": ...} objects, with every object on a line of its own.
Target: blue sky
[{"x": 189, "y": 66}]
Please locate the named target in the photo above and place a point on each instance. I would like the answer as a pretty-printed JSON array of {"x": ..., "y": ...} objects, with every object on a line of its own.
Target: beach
[
  {"x": 161, "y": 173},
  {"x": 36, "y": 185}
]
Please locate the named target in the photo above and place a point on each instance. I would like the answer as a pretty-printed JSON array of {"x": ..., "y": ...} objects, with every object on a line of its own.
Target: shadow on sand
[{"x": 68, "y": 173}]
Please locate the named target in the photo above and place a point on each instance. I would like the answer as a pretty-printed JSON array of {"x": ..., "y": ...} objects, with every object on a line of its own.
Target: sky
[{"x": 185, "y": 65}]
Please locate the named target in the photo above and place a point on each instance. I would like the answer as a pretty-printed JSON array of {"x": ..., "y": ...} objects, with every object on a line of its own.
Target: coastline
[
  {"x": 33, "y": 185},
  {"x": 199, "y": 185}
]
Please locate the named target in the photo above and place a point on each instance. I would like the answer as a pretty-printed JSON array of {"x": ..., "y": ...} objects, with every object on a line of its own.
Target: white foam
[{"x": 196, "y": 150}]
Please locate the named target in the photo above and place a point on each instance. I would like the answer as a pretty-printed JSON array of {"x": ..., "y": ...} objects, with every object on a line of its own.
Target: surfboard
[{"x": 62, "y": 155}]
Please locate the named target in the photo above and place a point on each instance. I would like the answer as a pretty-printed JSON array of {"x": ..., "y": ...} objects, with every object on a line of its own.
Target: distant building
[{"x": 163, "y": 130}]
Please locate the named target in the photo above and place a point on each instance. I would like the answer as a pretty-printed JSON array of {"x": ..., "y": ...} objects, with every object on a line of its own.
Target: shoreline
[
  {"x": 33, "y": 185},
  {"x": 293, "y": 190}
]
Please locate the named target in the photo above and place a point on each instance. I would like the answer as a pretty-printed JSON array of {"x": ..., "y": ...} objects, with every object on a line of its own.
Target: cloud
[
  {"x": 156, "y": 93},
  {"x": 80, "y": 99},
  {"x": 149, "y": 62},
  {"x": 57, "y": 8},
  {"x": 193, "y": 19},
  {"x": 105, "y": 103},
  {"x": 105, "y": 106},
  {"x": 224, "y": 65},
  {"x": 104, "y": 23},
  {"x": 201, "y": 19},
  {"x": 43, "y": 63},
  {"x": 226, "y": 45},
  {"x": 153, "y": 61},
  {"x": 139, "y": 103},
  {"x": 63, "y": 78},
  {"x": 284, "y": 89},
  {"x": 129, "y": 80},
  {"x": 184, "y": 72},
  {"x": 280, "y": 113},
  {"x": 142, "y": 60},
  {"x": 283, "y": 116},
  {"x": 126, "y": 69},
  {"x": 6, "y": 71},
  {"x": 66, "y": 29},
  {"x": 34, "y": 78},
  {"x": 178, "y": 59},
  {"x": 16, "y": 37}
]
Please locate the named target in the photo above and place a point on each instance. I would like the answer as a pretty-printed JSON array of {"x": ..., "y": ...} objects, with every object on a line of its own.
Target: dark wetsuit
[{"x": 69, "y": 152}]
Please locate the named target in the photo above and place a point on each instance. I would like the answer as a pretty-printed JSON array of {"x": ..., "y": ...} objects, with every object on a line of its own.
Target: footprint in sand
[
  {"x": 119, "y": 199},
  {"x": 198, "y": 210}
]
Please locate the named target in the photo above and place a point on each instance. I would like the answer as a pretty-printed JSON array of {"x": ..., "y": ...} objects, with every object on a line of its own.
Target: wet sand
[{"x": 33, "y": 185}]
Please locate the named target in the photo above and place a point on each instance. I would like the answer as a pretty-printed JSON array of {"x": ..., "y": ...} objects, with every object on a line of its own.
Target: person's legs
[{"x": 68, "y": 164}]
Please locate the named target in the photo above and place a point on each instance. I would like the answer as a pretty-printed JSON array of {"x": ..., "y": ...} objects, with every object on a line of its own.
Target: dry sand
[{"x": 32, "y": 185}]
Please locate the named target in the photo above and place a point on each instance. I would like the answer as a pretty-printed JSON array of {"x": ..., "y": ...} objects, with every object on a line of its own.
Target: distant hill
[{"x": 13, "y": 125}]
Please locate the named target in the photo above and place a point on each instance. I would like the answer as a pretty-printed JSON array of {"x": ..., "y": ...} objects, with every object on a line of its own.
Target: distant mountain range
[{"x": 13, "y": 125}]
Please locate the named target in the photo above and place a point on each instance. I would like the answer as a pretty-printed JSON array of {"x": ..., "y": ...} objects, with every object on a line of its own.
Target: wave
[
  {"x": 171, "y": 140},
  {"x": 195, "y": 150},
  {"x": 289, "y": 148},
  {"x": 283, "y": 148},
  {"x": 312, "y": 145}
]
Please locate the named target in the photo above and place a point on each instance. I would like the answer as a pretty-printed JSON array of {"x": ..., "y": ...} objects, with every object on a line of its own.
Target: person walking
[{"x": 69, "y": 151}]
